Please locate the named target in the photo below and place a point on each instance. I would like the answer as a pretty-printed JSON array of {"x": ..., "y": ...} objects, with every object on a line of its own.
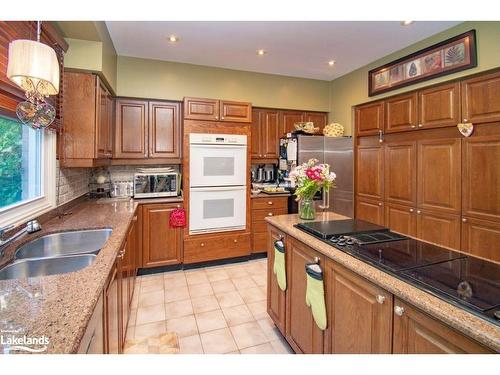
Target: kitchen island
[{"x": 368, "y": 310}]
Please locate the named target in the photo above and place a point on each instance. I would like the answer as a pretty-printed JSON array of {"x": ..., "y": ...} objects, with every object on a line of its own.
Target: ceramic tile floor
[{"x": 214, "y": 310}]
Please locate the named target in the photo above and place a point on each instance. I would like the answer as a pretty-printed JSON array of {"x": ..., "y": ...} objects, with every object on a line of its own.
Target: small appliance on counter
[
  {"x": 262, "y": 173},
  {"x": 156, "y": 182},
  {"x": 100, "y": 185}
]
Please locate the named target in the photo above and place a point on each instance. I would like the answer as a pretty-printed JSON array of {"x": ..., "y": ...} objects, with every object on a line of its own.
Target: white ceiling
[{"x": 299, "y": 49}]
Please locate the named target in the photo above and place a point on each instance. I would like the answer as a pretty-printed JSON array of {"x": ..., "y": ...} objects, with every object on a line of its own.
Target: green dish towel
[
  {"x": 279, "y": 264},
  {"x": 315, "y": 294}
]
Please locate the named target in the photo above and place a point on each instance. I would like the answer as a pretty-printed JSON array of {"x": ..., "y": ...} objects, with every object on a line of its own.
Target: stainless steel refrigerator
[{"x": 338, "y": 153}]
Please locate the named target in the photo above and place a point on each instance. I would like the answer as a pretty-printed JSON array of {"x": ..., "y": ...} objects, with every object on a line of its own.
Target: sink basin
[
  {"x": 65, "y": 243},
  {"x": 46, "y": 267}
]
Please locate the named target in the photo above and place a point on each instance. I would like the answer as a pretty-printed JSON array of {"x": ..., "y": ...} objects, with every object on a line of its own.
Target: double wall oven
[{"x": 217, "y": 182}]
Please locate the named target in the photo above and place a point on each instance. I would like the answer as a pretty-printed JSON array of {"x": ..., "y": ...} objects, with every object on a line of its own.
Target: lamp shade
[{"x": 34, "y": 67}]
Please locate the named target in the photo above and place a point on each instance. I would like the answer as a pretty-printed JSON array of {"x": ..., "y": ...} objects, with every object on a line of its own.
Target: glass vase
[{"x": 306, "y": 209}]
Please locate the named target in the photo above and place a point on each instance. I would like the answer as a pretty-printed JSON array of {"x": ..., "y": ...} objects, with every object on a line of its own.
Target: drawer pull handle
[
  {"x": 202, "y": 244},
  {"x": 270, "y": 214},
  {"x": 398, "y": 310},
  {"x": 380, "y": 299},
  {"x": 270, "y": 202}
]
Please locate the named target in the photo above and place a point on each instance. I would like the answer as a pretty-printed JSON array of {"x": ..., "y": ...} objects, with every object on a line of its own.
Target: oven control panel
[{"x": 217, "y": 139}]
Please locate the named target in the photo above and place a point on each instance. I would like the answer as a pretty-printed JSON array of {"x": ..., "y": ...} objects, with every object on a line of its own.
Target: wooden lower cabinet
[
  {"x": 161, "y": 245},
  {"x": 276, "y": 298},
  {"x": 301, "y": 331},
  {"x": 370, "y": 210},
  {"x": 401, "y": 219},
  {"x": 359, "y": 314},
  {"x": 112, "y": 312},
  {"x": 439, "y": 227},
  {"x": 417, "y": 333},
  {"x": 481, "y": 238},
  {"x": 204, "y": 248},
  {"x": 263, "y": 207}
]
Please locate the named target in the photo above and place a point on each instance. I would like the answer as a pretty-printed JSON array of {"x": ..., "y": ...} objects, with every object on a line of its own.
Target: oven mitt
[
  {"x": 315, "y": 294},
  {"x": 279, "y": 264}
]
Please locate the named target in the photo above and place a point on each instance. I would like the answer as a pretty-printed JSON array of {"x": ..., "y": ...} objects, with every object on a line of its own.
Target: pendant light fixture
[{"x": 33, "y": 66}]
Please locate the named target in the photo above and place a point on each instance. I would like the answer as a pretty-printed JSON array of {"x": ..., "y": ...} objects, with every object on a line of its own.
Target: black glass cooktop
[{"x": 326, "y": 229}]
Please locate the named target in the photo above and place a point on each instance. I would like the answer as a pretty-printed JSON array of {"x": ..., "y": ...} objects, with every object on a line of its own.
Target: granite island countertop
[
  {"x": 59, "y": 307},
  {"x": 479, "y": 329}
]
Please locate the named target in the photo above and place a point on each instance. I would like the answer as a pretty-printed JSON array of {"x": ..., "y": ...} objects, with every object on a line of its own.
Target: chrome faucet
[{"x": 31, "y": 227}]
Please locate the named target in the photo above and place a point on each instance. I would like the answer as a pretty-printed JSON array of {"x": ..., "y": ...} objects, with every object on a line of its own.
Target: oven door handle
[{"x": 218, "y": 188}]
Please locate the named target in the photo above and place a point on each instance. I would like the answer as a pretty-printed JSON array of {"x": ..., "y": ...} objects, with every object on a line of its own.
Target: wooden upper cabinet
[
  {"x": 288, "y": 120},
  {"x": 481, "y": 99},
  {"x": 235, "y": 111},
  {"x": 369, "y": 118},
  {"x": 201, "y": 109},
  {"x": 270, "y": 133},
  {"x": 369, "y": 210},
  {"x": 257, "y": 134},
  {"x": 359, "y": 314},
  {"x": 401, "y": 219},
  {"x": 370, "y": 172},
  {"x": 131, "y": 129},
  {"x": 301, "y": 330},
  {"x": 417, "y": 333},
  {"x": 103, "y": 120},
  {"x": 400, "y": 167},
  {"x": 439, "y": 228},
  {"x": 439, "y": 175},
  {"x": 439, "y": 106},
  {"x": 401, "y": 113},
  {"x": 319, "y": 120},
  {"x": 161, "y": 244},
  {"x": 481, "y": 238},
  {"x": 481, "y": 177},
  {"x": 276, "y": 302},
  {"x": 164, "y": 130},
  {"x": 111, "y": 123}
]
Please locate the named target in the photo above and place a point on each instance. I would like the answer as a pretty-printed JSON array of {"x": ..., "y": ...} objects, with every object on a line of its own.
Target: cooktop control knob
[
  {"x": 334, "y": 239},
  {"x": 349, "y": 241},
  {"x": 496, "y": 314}
]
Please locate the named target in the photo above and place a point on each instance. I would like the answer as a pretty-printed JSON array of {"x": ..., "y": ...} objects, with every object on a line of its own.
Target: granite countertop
[
  {"x": 479, "y": 329},
  {"x": 60, "y": 306}
]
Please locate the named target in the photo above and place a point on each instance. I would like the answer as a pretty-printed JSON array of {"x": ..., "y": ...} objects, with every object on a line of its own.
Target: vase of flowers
[{"x": 309, "y": 178}]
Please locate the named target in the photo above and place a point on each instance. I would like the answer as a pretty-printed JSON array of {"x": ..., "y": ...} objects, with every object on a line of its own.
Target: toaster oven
[{"x": 152, "y": 185}]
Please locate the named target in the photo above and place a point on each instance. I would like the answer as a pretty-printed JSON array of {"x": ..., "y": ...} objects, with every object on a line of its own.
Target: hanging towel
[
  {"x": 177, "y": 218},
  {"x": 315, "y": 294},
  {"x": 279, "y": 264}
]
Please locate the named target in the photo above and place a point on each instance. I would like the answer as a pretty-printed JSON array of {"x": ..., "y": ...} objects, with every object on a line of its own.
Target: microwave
[{"x": 153, "y": 185}]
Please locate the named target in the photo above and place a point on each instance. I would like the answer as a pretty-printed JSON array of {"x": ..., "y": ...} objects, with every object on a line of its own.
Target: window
[{"x": 27, "y": 176}]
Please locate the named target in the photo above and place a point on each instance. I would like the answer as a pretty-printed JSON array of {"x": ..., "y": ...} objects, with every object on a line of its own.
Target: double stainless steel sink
[{"x": 56, "y": 254}]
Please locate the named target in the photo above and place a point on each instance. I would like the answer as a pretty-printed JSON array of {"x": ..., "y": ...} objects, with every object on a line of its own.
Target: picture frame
[{"x": 446, "y": 57}]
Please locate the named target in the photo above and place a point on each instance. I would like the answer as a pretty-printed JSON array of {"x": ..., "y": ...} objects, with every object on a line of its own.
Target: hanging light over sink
[{"x": 33, "y": 66}]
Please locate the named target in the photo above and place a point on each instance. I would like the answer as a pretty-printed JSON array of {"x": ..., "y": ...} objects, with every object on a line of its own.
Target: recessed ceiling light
[
  {"x": 331, "y": 62},
  {"x": 173, "y": 39},
  {"x": 406, "y": 23},
  {"x": 261, "y": 52}
]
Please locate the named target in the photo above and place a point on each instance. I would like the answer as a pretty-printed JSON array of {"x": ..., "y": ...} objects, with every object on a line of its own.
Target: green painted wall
[
  {"x": 169, "y": 80},
  {"x": 352, "y": 89}
]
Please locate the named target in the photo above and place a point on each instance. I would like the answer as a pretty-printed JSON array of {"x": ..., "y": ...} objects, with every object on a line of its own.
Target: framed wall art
[{"x": 450, "y": 56}]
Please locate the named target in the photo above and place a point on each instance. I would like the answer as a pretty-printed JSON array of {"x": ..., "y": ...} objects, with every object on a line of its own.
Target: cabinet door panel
[
  {"x": 164, "y": 130},
  {"x": 481, "y": 177},
  {"x": 161, "y": 244},
  {"x": 401, "y": 113},
  {"x": 439, "y": 228},
  {"x": 131, "y": 129},
  {"x": 369, "y": 118},
  {"x": 439, "y": 175},
  {"x": 257, "y": 134},
  {"x": 401, "y": 173},
  {"x": 288, "y": 119},
  {"x": 235, "y": 111},
  {"x": 481, "y": 238},
  {"x": 417, "y": 333},
  {"x": 360, "y": 314},
  {"x": 370, "y": 172},
  {"x": 481, "y": 99},
  {"x": 112, "y": 310},
  {"x": 301, "y": 330},
  {"x": 102, "y": 119},
  {"x": 439, "y": 106},
  {"x": 276, "y": 302},
  {"x": 401, "y": 219},
  {"x": 201, "y": 109},
  {"x": 270, "y": 141},
  {"x": 371, "y": 211}
]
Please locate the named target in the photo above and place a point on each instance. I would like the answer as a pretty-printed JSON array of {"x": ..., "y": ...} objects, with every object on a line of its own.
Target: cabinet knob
[
  {"x": 411, "y": 210},
  {"x": 202, "y": 244},
  {"x": 222, "y": 118},
  {"x": 270, "y": 214},
  {"x": 464, "y": 220},
  {"x": 420, "y": 126},
  {"x": 412, "y": 126},
  {"x": 419, "y": 212},
  {"x": 380, "y": 299},
  {"x": 380, "y": 203},
  {"x": 216, "y": 117},
  {"x": 398, "y": 310},
  {"x": 235, "y": 241},
  {"x": 465, "y": 120},
  {"x": 270, "y": 202}
]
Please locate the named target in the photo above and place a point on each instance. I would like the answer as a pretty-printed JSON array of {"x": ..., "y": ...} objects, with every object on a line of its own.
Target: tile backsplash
[{"x": 72, "y": 183}]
